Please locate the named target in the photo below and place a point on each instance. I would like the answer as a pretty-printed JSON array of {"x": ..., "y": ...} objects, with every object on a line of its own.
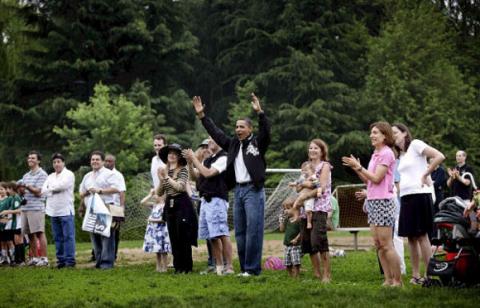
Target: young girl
[
  {"x": 13, "y": 226},
  {"x": 305, "y": 185},
  {"x": 156, "y": 235},
  {"x": 291, "y": 240}
]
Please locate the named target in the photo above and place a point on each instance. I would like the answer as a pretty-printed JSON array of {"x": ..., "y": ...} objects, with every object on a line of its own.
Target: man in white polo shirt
[
  {"x": 33, "y": 212},
  {"x": 58, "y": 188},
  {"x": 103, "y": 182}
]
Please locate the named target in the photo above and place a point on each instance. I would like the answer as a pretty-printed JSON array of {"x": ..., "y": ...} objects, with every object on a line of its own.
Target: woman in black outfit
[{"x": 178, "y": 211}]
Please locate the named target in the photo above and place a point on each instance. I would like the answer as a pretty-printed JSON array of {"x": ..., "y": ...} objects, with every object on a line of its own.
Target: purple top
[{"x": 323, "y": 204}]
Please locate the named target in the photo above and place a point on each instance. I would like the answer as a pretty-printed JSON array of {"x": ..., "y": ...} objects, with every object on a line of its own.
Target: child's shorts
[
  {"x": 293, "y": 255},
  {"x": 308, "y": 204},
  {"x": 6, "y": 235}
]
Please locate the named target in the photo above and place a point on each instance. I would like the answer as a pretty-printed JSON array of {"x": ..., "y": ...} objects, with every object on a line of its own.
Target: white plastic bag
[{"x": 97, "y": 217}]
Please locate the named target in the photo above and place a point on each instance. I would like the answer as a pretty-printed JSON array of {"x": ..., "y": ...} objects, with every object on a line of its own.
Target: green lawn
[{"x": 356, "y": 283}]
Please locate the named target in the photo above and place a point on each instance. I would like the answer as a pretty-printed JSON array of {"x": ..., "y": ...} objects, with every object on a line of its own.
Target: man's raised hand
[
  {"x": 256, "y": 104},
  {"x": 198, "y": 106}
]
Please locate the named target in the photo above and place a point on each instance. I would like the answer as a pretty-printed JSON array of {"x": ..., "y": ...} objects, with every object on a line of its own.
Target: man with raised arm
[
  {"x": 213, "y": 217},
  {"x": 246, "y": 173}
]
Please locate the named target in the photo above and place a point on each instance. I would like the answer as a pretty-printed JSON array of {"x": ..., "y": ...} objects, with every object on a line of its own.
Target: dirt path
[{"x": 131, "y": 256}]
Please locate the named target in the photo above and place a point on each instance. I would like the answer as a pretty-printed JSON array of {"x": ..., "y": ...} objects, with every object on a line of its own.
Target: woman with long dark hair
[{"x": 416, "y": 204}]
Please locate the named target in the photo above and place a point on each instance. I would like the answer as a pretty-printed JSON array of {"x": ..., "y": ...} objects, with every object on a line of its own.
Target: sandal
[{"x": 417, "y": 281}]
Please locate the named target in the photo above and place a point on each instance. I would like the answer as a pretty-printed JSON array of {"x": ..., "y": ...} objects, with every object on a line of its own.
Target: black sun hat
[{"x": 163, "y": 153}]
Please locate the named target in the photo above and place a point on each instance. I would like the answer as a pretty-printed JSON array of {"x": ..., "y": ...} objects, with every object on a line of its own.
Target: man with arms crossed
[
  {"x": 58, "y": 188},
  {"x": 33, "y": 212}
]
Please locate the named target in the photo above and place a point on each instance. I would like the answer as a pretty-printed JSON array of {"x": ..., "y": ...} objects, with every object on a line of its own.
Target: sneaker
[
  {"x": 417, "y": 281},
  {"x": 21, "y": 264},
  {"x": 245, "y": 274},
  {"x": 219, "y": 270},
  {"x": 208, "y": 270},
  {"x": 228, "y": 271},
  {"x": 5, "y": 260},
  {"x": 42, "y": 262},
  {"x": 33, "y": 262}
]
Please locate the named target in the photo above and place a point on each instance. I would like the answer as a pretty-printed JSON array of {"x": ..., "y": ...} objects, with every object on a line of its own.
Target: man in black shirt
[
  {"x": 212, "y": 187},
  {"x": 460, "y": 180}
]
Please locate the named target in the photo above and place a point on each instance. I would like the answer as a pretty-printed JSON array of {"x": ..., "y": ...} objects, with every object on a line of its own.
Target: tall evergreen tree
[{"x": 413, "y": 79}]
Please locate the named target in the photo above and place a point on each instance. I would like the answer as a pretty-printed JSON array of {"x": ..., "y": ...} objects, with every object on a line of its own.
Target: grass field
[{"x": 356, "y": 283}]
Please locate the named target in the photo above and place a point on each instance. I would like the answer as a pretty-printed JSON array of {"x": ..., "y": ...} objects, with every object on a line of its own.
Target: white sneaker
[
  {"x": 5, "y": 260},
  {"x": 228, "y": 271},
  {"x": 219, "y": 270},
  {"x": 244, "y": 274},
  {"x": 33, "y": 261},
  {"x": 42, "y": 262}
]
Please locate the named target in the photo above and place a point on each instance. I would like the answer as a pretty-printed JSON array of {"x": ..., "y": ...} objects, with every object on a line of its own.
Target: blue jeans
[
  {"x": 248, "y": 220},
  {"x": 104, "y": 248},
  {"x": 63, "y": 229}
]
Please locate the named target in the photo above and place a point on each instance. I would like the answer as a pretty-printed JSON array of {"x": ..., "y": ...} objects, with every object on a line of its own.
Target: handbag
[{"x": 117, "y": 212}]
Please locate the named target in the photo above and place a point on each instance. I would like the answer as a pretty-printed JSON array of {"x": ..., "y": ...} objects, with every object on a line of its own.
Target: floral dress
[{"x": 156, "y": 235}]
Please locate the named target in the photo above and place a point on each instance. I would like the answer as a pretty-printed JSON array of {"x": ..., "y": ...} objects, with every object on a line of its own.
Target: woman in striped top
[{"x": 178, "y": 211}]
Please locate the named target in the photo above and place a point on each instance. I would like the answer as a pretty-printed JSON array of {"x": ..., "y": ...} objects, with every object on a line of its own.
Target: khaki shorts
[{"x": 33, "y": 222}]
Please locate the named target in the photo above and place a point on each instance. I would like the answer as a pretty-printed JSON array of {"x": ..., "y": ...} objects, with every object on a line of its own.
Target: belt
[{"x": 245, "y": 183}]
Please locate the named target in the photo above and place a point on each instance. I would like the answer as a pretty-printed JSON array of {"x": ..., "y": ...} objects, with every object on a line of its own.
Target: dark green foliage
[
  {"x": 413, "y": 78},
  {"x": 323, "y": 69}
]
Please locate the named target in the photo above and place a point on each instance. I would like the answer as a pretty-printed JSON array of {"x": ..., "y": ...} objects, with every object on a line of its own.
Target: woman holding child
[
  {"x": 314, "y": 239},
  {"x": 380, "y": 204}
]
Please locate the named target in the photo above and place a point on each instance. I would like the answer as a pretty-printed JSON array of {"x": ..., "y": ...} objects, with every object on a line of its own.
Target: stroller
[{"x": 458, "y": 265}]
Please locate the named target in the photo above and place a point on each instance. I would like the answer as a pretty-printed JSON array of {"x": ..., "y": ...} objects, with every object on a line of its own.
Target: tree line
[{"x": 103, "y": 74}]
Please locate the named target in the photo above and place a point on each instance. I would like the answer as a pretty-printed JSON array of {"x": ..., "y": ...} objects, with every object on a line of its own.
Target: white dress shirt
[
  {"x": 156, "y": 163},
  {"x": 101, "y": 179},
  {"x": 121, "y": 182},
  {"x": 58, "y": 188}
]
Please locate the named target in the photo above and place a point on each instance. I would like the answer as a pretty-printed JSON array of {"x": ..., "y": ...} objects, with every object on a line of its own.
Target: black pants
[{"x": 179, "y": 229}]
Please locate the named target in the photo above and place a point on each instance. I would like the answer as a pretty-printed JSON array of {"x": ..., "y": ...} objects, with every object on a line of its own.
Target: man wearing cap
[
  {"x": 159, "y": 141},
  {"x": 58, "y": 189},
  {"x": 246, "y": 172},
  {"x": 33, "y": 212},
  {"x": 201, "y": 154},
  {"x": 213, "y": 224},
  {"x": 103, "y": 182},
  {"x": 110, "y": 161}
]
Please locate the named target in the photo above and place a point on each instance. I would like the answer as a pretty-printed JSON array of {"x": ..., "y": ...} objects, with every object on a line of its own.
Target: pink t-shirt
[{"x": 384, "y": 189}]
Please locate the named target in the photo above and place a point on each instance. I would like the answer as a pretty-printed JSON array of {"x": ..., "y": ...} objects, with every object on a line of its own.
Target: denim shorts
[{"x": 213, "y": 219}]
